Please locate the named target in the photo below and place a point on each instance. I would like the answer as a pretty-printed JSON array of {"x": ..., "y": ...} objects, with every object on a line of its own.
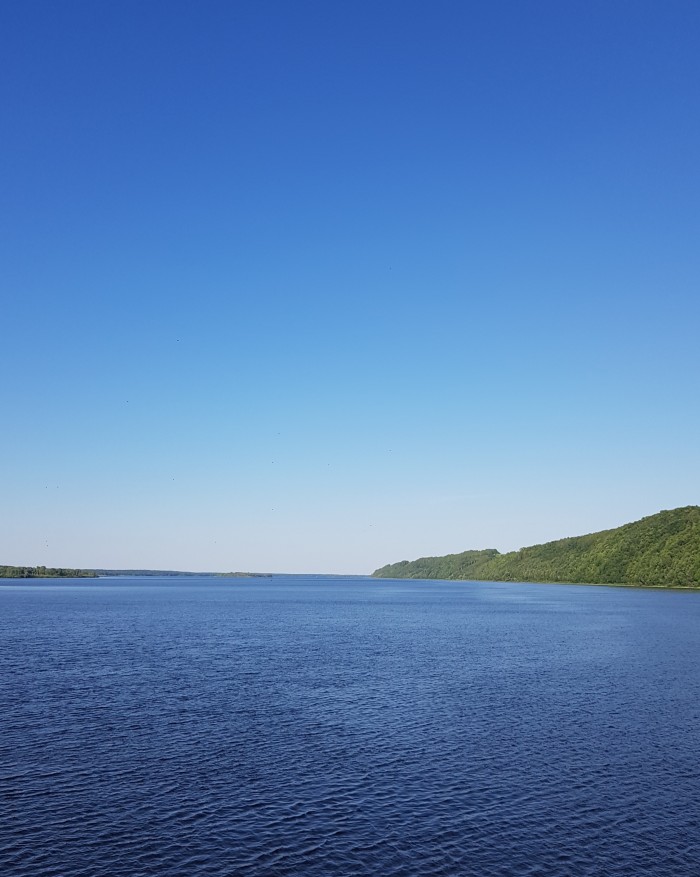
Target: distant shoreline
[
  {"x": 630, "y": 585},
  {"x": 429, "y": 581},
  {"x": 43, "y": 572}
]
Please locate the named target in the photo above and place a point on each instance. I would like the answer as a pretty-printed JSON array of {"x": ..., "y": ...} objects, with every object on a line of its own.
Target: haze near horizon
[{"x": 314, "y": 288}]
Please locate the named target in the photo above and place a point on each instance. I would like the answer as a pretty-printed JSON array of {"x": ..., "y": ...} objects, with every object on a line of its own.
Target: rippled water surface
[{"x": 310, "y": 726}]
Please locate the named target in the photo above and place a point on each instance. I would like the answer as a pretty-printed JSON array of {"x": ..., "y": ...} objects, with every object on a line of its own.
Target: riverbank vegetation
[
  {"x": 44, "y": 572},
  {"x": 662, "y": 550}
]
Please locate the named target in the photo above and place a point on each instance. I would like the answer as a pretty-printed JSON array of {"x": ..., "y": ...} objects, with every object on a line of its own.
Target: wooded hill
[{"x": 662, "y": 550}]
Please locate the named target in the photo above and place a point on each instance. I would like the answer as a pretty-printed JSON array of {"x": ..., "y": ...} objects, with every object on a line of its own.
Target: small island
[
  {"x": 244, "y": 575},
  {"x": 661, "y": 551}
]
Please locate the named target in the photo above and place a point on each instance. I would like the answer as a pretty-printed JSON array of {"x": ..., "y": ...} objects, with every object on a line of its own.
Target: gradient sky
[{"x": 315, "y": 286}]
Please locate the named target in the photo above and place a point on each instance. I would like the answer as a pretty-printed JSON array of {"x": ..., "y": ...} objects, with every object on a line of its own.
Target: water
[{"x": 294, "y": 726}]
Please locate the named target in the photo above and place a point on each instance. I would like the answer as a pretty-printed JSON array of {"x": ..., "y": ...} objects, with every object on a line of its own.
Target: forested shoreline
[
  {"x": 44, "y": 572},
  {"x": 662, "y": 550}
]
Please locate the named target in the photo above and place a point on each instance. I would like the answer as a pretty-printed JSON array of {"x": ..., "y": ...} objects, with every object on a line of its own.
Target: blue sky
[{"x": 313, "y": 287}]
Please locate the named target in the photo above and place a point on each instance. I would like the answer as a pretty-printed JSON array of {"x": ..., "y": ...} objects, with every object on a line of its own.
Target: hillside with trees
[{"x": 662, "y": 550}]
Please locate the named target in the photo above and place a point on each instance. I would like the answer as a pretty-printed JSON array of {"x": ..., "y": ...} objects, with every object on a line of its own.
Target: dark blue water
[{"x": 347, "y": 727}]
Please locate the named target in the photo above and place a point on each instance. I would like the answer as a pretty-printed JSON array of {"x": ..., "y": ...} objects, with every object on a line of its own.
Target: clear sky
[{"x": 318, "y": 286}]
